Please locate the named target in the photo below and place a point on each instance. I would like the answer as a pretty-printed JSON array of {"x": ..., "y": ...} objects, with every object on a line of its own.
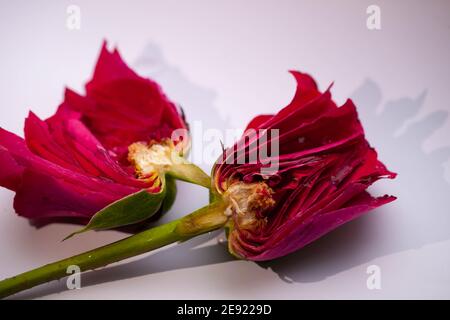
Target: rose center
[
  {"x": 248, "y": 202},
  {"x": 151, "y": 158}
]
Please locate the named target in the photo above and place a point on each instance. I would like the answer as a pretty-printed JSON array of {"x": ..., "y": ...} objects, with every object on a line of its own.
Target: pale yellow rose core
[
  {"x": 247, "y": 201},
  {"x": 151, "y": 158}
]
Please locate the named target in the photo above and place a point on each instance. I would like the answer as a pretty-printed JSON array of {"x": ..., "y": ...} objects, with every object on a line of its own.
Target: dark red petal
[
  {"x": 41, "y": 142},
  {"x": 29, "y": 172},
  {"x": 121, "y": 107},
  {"x": 110, "y": 66},
  {"x": 299, "y": 235},
  {"x": 75, "y": 163},
  {"x": 306, "y": 92},
  {"x": 258, "y": 121},
  {"x": 324, "y": 164},
  {"x": 67, "y": 142},
  {"x": 59, "y": 198}
]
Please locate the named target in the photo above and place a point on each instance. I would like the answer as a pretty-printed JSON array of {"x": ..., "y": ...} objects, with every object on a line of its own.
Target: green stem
[
  {"x": 201, "y": 221},
  {"x": 189, "y": 172}
]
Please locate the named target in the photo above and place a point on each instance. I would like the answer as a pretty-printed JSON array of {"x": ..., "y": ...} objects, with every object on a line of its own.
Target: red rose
[
  {"x": 322, "y": 172},
  {"x": 313, "y": 180},
  {"x": 78, "y": 161}
]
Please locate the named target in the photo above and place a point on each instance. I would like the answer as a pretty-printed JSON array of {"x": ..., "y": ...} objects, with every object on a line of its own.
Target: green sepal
[{"x": 171, "y": 194}]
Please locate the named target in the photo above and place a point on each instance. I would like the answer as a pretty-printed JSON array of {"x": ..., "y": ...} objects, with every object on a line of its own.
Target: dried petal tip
[{"x": 248, "y": 203}]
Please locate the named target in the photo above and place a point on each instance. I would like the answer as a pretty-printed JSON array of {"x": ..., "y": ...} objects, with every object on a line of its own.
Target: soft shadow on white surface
[{"x": 180, "y": 256}]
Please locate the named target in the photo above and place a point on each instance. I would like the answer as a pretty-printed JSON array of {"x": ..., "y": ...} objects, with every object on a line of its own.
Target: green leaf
[{"x": 131, "y": 209}]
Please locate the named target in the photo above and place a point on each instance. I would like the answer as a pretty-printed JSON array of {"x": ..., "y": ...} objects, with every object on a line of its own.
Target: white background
[{"x": 226, "y": 61}]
